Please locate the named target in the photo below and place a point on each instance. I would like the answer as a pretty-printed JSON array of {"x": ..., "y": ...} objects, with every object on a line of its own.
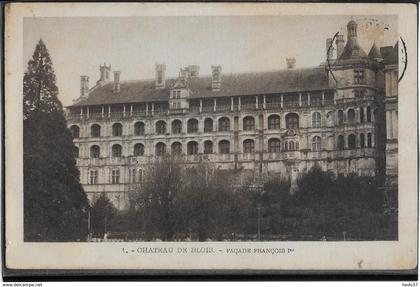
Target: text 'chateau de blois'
[{"x": 341, "y": 115}]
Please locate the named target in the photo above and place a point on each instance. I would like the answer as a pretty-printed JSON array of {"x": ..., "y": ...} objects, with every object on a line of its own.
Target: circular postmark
[{"x": 376, "y": 38}]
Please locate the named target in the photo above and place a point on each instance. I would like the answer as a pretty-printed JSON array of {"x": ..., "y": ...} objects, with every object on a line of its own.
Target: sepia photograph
[{"x": 187, "y": 128}]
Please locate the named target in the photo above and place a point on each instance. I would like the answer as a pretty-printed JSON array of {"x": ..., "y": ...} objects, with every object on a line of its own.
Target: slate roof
[
  {"x": 390, "y": 54},
  {"x": 351, "y": 45},
  {"x": 282, "y": 81}
]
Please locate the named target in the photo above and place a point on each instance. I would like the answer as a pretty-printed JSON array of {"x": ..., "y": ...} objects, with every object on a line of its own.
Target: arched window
[
  {"x": 176, "y": 127},
  {"x": 340, "y": 142},
  {"x": 362, "y": 114},
  {"x": 369, "y": 140},
  {"x": 75, "y": 131},
  {"x": 286, "y": 146},
  {"x": 208, "y": 147},
  {"x": 292, "y": 121},
  {"x": 249, "y": 123},
  {"x": 249, "y": 146},
  {"x": 94, "y": 151},
  {"x": 362, "y": 140},
  {"x": 330, "y": 119},
  {"x": 224, "y": 125},
  {"x": 117, "y": 130},
  {"x": 224, "y": 146},
  {"x": 192, "y": 147},
  {"x": 351, "y": 116},
  {"x": 160, "y": 127},
  {"x": 273, "y": 145},
  {"x": 76, "y": 152},
  {"x": 116, "y": 150},
  {"x": 192, "y": 126},
  {"x": 291, "y": 145},
  {"x": 316, "y": 120},
  {"x": 274, "y": 122},
  {"x": 160, "y": 149},
  {"x": 368, "y": 115},
  {"x": 138, "y": 149},
  {"x": 340, "y": 117},
  {"x": 139, "y": 129},
  {"x": 208, "y": 125},
  {"x": 95, "y": 131},
  {"x": 316, "y": 143},
  {"x": 351, "y": 139},
  {"x": 176, "y": 148}
]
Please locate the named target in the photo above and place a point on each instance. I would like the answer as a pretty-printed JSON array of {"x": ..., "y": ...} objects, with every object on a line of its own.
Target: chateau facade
[{"x": 336, "y": 115}]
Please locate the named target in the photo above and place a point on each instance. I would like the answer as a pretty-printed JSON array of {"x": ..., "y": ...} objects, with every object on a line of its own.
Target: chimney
[
  {"x": 291, "y": 62},
  {"x": 84, "y": 86},
  {"x": 116, "y": 88},
  {"x": 184, "y": 73},
  {"x": 193, "y": 70},
  {"x": 105, "y": 71},
  {"x": 340, "y": 45},
  {"x": 160, "y": 76},
  {"x": 329, "y": 49},
  {"x": 216, "y": 78}
]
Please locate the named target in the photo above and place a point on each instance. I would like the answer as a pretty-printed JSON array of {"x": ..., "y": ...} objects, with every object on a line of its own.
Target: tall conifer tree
[{"x": 55, "y": 205}]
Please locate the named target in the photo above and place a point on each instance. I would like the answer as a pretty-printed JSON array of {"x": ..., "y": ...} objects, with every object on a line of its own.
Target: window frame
[
  {"x": 95, "y": 153},
  {"x": 139, "y": 129},
  {"x": 248, "y": 123},
  {"x": 136, "y": 149},
  {"x": 292, "y": 121},
  {"x": 316, "y": 120},
  {"x": 116, "y": 150},
  {"x": 159, "y": 151},
  {"x": 316, "y": 143},
  {"x": 248, "y": 146},
  {"x": 160, "y": 127},
  {"x": 117, "y": 130},
  {"x": 115, "y": 176},
  {"x": 224, "y": 147},
  {"x": 93, "y": 176},
  {"x": 176, "y": 127},
  {"x": 95, "y": 131},
  {"x": 206, "y": 147},
  {"x": 192, "y": 148},
  {"x": 192, "y": 126},
  {"x": 224, "y": 124},
  {"x": 206, "y": 125},
  {"x": 273, "y": 122},
  {"x": 274, "y": 145},
  {"x": 351, "y": 144}
]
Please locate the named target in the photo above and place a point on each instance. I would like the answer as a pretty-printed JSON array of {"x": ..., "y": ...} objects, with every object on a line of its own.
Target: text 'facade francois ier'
[{"x": 341, "y": 115}]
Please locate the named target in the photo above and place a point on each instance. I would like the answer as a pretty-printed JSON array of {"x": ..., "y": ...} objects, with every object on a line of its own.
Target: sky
[{"x": 133, "y": 45}]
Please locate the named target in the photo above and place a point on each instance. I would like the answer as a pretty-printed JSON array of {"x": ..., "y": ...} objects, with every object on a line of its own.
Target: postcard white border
[{"x": 378, "y": 255}]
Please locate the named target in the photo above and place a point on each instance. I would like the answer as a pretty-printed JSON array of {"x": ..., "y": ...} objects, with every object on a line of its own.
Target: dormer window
[
  {"x": 355, "y": 52},
  {"x": 159, "y": 77},
  {"x": 359, "y": 93},
  {"x": 359, "y": 76},
  {"x": 176, "y": 94}
]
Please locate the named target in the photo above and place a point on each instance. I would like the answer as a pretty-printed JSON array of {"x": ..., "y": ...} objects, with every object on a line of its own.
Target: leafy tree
[
  {"x": 102, "y": 214},
  {"x": 55, "y": 205}
]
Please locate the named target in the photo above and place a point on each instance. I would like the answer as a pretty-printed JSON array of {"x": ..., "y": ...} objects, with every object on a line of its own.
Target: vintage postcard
[{"x": 195, "y": 136}]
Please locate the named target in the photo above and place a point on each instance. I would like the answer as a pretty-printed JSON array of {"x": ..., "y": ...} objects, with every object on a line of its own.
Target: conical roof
[
  {"x": 352, "y": 50},
  {"x": 374, "y": 52}
]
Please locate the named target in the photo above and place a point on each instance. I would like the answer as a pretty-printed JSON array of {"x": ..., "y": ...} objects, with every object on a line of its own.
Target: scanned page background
[{"x": 400, "y": 254}]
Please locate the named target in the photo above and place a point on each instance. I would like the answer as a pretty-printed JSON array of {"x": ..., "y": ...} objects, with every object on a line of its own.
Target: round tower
[{"x": 351, "y": 29}]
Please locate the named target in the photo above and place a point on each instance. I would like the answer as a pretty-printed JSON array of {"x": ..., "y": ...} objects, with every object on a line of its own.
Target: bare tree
[{"x": 158, "y": 197}]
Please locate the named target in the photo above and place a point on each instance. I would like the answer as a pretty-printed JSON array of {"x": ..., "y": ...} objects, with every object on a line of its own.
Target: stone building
[{"x": 261, "y": 123}]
